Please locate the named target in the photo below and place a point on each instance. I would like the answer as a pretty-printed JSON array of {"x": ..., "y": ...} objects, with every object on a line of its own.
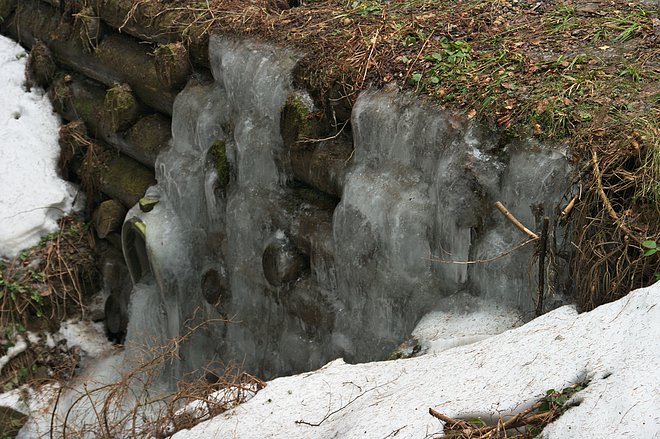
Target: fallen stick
[
  {"x": 451, "y": 423},
  {"x": 460, "y": 428},
  {"x": 569, "y": 207},
  {"x": 543, "y": 247},
  {"x": 508, "y": 215}
]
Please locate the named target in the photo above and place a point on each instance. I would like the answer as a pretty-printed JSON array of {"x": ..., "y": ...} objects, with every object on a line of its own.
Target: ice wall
[{"x": 288, "y": 277}]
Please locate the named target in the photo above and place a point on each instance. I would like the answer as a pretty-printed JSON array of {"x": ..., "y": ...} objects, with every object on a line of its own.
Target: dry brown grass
[
  {"x": 131, "y": 407},
  {"x": 50, "y": 281}
]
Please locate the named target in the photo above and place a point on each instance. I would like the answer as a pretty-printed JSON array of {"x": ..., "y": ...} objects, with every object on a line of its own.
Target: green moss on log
[
  {"x": 150, "y": 135},
  {"x": 121, "y": 108},
  {"x": 299, "y": 123},
  {"x": 295, "y": 121},
  {"x": 125, "y": 180},
  {"x": 218, "y": 155},
  {"x": 172, "y": 65},
  {"x": 41, "y": 65}
]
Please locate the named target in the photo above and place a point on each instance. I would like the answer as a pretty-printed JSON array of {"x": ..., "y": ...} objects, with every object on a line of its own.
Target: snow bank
[
  {"x": 32, "y": 196},
  {"x": 615, "y": 348}
]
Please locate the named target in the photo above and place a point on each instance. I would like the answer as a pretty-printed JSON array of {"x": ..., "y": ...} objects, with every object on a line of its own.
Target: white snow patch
[
  {"x": 88, "y": 336},
  {"x": 19, "y": 347},
  {"x": 33, "y": 197},
  {"x": 441, "y": 330},
  {"x": 615, "y": 348}
]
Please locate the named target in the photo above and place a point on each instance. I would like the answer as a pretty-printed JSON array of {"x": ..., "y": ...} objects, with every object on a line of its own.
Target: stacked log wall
[{"x": 117, "y": 68}]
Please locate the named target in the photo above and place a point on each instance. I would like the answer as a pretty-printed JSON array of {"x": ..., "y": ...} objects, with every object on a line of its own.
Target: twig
[
  {"x": 569, "y": 207},
  {"x": 508, "y": 215},
  {"x": 329, "y": 414},
  {"x": 543, "y": 246},
  {"x": 483, "y": 261},
  {"x": 405, "y": 78},
  {"x": 308, "y": 140},
  {"x": 452, "y": 423},
  {"x": 52, "y": 415},
  {"x": 371, "y": 52}
]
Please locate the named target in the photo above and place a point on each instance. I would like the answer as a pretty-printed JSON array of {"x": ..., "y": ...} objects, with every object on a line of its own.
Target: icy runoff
[
  {"x": 32, "y": 196},
  {"x": 615, "y": 349}
]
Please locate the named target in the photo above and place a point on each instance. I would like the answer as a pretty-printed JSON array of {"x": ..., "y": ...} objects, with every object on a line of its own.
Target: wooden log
[
  {"x": 134, "y": 64},
  {"x": 41, "y": 66},
  {"x": 121, "y": 109},
  {"x": 149, "y": 136},
  {"x": 173, "y": 67},
  {"x": 76, "y": 98},
  {"x": 543, "y": 246},
  {"x": 109, "y": 217},
  {"x": 321, "y": 165},
  {"x": 151, "y": 22},
  {"x": 124, "y": 179},
  {"x": 7, "y": 8},
  {"x": 119, "y": 60}
]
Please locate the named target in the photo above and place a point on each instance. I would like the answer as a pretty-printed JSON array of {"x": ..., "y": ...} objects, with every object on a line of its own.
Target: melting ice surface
[
  {"x": 32, "y": 196},
  {"x": 357, "y": 275}
]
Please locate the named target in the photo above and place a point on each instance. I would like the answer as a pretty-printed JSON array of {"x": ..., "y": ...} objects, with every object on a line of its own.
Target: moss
[
  {"x": 172, "y": 65},
  {"x": 295, "y": 121},
  {"x": 294, "y": 124},
  {"x": 41, "y": 65},
  {"x": 147, "y": 204},
  {"x": 218, "y": 155},
  {"x": 126, "y": 180},
  {"x": 120, "y": 107},
  {"x": 88, "y": 28}
]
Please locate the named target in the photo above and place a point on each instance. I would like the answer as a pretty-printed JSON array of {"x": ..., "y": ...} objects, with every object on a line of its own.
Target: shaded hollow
[{"x": 135, "y": 249}]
